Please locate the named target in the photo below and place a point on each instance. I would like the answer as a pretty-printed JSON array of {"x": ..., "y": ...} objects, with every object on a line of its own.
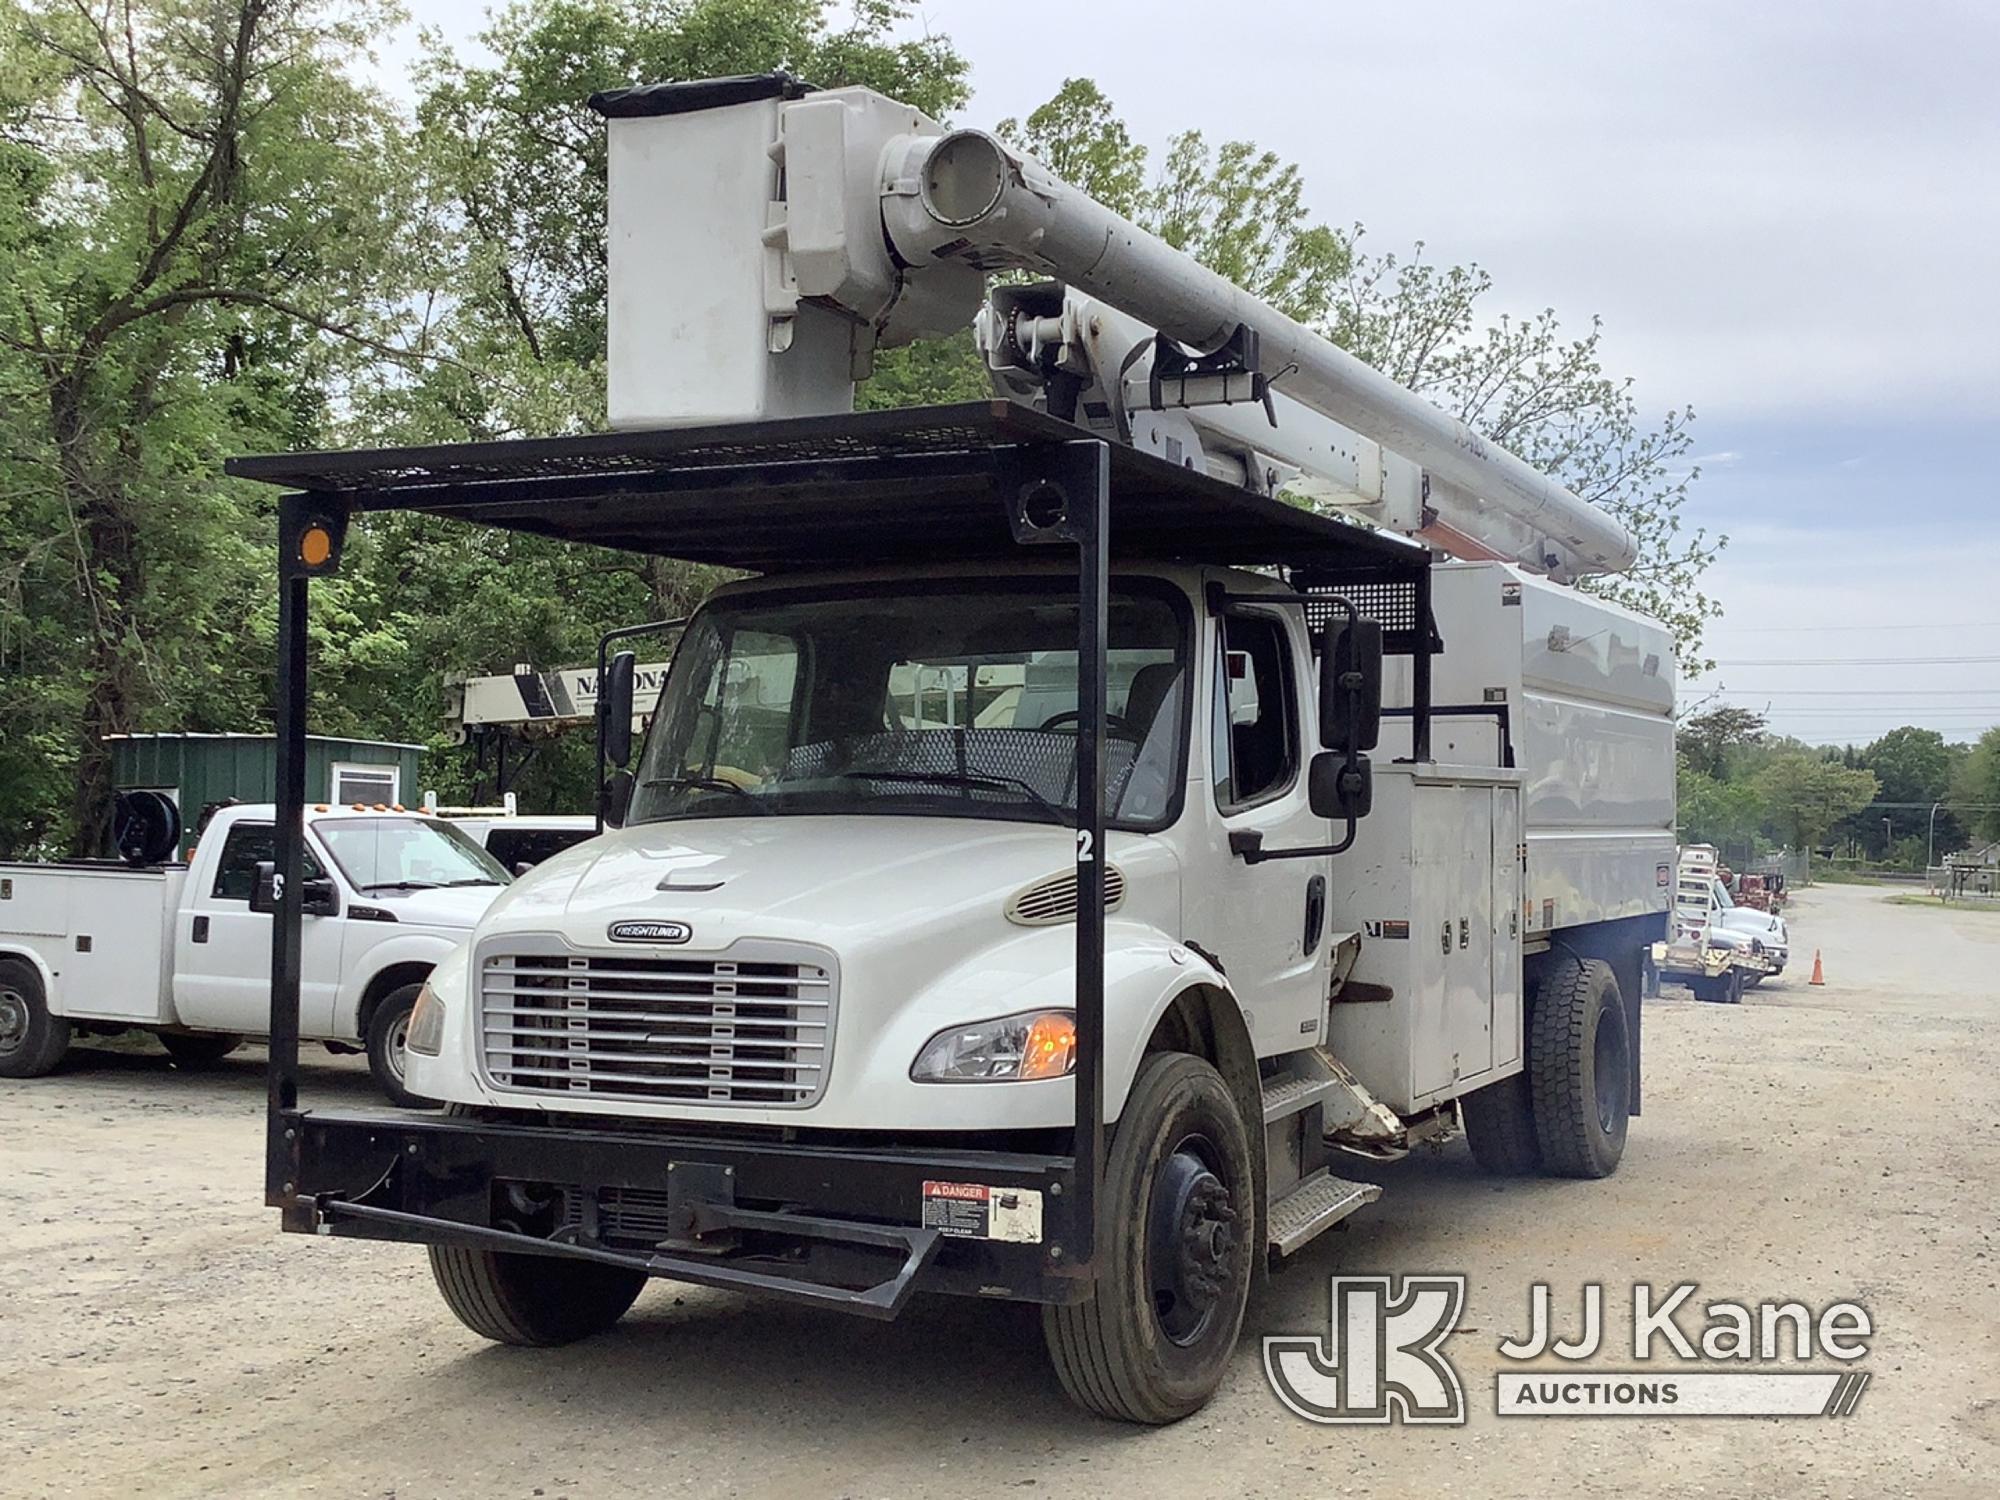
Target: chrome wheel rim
[{"x": 13, "y": 1020}]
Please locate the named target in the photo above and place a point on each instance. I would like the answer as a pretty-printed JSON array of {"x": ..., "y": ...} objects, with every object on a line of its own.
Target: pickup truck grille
[{"x": 749, "y": 1029}]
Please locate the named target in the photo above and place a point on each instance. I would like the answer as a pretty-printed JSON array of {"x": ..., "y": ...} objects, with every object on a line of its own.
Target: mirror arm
[{"x": 1251, "y": 848}]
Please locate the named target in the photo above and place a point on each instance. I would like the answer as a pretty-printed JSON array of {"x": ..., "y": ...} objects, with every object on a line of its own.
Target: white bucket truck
[{"x": 1023, "y": 889}]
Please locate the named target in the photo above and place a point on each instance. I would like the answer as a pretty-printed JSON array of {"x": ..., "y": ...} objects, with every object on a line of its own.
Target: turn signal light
[{"x": 1051, "y": 1048}]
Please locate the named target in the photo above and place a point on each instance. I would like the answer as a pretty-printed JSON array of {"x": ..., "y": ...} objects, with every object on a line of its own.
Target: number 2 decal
[{"x": 1085, "y": 851}]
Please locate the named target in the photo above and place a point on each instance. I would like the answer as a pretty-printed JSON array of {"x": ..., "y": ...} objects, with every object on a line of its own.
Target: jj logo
[{"x": 1380, "y": 1361}]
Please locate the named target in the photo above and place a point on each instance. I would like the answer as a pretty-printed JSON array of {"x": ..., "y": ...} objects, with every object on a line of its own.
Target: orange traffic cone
[{"x": 1819, "y": 973}]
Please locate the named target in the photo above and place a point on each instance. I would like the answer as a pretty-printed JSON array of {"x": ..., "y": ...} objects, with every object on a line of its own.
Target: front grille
[{"x": 755, "y": 1028}]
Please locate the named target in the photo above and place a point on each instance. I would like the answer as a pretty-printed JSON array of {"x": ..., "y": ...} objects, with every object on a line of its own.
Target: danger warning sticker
[{"x": 974, "y": 1211}]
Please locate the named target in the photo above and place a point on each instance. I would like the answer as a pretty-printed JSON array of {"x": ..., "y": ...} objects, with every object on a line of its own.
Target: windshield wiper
[
  {"x": 704, "y": 784},
  {"x": 401, "y": 885},
  {"x": 475, "y": 880},
  {"x": 970, "y": 779}
]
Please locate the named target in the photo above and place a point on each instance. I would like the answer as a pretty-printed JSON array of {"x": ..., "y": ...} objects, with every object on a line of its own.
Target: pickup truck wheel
[
  {"x": 534, "y": 1300},
  {"x": 31, "y": 1040},
  {"x": 1732, "y": 988},
  {"x": 388, "y": 1057},
  {"x": 1175, "y": 1226},
  {"x": 198, "y": 1049},
  {"x": 1580, "y": 1068},
  {"x": 1500, "y": 1128}
]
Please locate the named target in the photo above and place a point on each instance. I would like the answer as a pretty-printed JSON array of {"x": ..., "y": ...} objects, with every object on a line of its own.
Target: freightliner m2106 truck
[{"x": 1100, "y": 815}]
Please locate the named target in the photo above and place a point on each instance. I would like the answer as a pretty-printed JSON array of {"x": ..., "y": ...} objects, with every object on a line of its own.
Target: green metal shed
[{"x": 197, "y": 770}]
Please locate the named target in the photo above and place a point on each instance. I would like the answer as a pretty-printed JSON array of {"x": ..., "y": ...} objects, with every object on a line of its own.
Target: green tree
[
  {"x": 1714, "y": 811},
  {"x": 1807, "y": 794},
  {"x": 1977, "y": 784},
  {"x": 1708, "y": 739},
  {"x": 1915, "y": 766},
  {"x": 193, "y": 201}
]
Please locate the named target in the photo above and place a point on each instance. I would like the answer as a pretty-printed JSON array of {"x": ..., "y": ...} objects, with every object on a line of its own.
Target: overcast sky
[{"x": 1788, "y": 216}]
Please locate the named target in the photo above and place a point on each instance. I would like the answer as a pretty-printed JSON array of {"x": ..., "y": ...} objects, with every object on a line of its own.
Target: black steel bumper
[{"x": 835, "y": 1227}]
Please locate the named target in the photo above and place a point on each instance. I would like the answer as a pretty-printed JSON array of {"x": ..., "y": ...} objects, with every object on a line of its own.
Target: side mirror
[
  {"x": 1336, "y": 789},
  {"x": 1350, "y": 686},
  {"x": 614, "y": 798},
  {"x": 614, "y": 708},
  {"x": 318, "y": 898},
  {"x": 264, "y": 894}
]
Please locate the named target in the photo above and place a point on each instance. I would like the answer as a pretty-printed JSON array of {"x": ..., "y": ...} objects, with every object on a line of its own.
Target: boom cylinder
[{"x": 966, "y": 196}]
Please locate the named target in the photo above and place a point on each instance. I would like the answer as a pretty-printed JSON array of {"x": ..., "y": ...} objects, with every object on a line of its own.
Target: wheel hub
[
  {"x": 13, "y": 1021},
  {"x": 1191, "y": 1241},
  {"x": 1610, "y": 1077}
]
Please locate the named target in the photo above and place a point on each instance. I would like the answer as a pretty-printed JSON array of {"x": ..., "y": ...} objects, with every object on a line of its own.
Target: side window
[
  {"x": 246, "y": 847},
  {"x": 1254, "y": 740}
]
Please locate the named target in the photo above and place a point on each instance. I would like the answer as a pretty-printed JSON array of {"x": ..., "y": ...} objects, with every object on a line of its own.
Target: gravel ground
[{"x": 159, "y": 1337}]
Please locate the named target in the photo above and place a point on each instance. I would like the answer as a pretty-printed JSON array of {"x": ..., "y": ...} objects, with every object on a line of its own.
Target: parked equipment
[
  {"x": 183, "y": 950},
  {"x": 1714, "y": 946},
  {"x": 1065, "y": 851}
]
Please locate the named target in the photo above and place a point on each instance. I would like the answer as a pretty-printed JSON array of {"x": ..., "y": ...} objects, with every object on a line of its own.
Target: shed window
[{"x": 367, "y": 784}]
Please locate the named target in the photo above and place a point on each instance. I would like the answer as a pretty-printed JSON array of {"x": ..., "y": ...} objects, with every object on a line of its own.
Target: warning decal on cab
[{"x": 974, "y": 1211}]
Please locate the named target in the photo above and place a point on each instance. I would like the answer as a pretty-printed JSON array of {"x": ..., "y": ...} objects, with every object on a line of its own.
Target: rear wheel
[
  {"x": 198, "y": 1049},
  {"x": 31, "y": 1040},
  {"x": 1500, "y": 1128},
  {"x": 1580, "y": 1068},
  {"x": 1175, "y": 1229},
  {"x": 534, "y": 1300},
  {"x": 388, "y": 1051}
]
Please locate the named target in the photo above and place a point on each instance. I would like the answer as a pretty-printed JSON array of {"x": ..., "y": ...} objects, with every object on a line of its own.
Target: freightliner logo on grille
[{"x": 650, "y": 932}]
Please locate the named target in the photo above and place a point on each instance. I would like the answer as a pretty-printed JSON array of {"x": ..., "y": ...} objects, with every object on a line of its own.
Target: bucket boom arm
[{"x": 842, "y": 221}]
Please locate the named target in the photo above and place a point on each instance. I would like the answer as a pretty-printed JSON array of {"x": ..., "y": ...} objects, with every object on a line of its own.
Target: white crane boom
[{"x": 785, "y": 234}]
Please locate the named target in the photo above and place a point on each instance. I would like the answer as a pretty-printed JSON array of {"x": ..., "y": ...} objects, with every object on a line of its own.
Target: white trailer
[
  {"x": 184, "y": 950},
  {"x": 1033, "y": 882}
]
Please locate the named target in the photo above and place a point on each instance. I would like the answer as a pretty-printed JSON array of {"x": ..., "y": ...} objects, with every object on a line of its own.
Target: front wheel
[
  {"x": 538, "y": 1301},
  {"x": 388, "y": 1050},
  {"x": 1176, "y": 1225},
  {"x": 31, "y": 1040}
]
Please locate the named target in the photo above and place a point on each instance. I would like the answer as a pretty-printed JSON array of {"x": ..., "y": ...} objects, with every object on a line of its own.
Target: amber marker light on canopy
[{"x": 315, "y": 545}]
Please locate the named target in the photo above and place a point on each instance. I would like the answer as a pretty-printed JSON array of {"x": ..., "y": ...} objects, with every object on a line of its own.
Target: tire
[
  {"x": 31, "y": 1040},
  {"x": 387, "y": 1029},
  {"x": 1580, "y": 1068},
  {"x": 1176, "y": 1226},
  {"x": 1500, "y": 1128},
  {"x": 536, "y": 1301},
  {"x": 198, "y": 1049}
]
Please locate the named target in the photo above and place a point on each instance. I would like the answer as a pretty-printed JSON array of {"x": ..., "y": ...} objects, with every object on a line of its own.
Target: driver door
[
  {"x": 222, "y": 949},
  {"x": 1267, "y": 922}
]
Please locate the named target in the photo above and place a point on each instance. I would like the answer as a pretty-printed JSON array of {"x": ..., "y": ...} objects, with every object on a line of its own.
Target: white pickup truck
[
  {"x": 1715, "y": 947},
  {"x": 184, "y": 950}
]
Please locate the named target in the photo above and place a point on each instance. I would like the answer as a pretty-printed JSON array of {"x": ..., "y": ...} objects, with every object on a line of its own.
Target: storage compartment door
[{"x": 1452, "y": 1037}]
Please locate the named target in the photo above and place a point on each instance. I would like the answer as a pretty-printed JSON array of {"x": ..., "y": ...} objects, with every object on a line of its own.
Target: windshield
[
  {"x": 406, "y": 854},
  {"x": 958, "y": 702},
  {"x": 1722, "y": 895}
]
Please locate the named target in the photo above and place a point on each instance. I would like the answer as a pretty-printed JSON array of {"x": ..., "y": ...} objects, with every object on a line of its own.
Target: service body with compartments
[
  {"x": 1066, "y": 848},
  {"x": 183, "y": 949}
]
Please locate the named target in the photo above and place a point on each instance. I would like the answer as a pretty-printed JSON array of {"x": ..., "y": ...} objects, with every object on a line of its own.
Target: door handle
[
  {"x": 1315, "y": 913},
  {"x": 200, "y": 929}
]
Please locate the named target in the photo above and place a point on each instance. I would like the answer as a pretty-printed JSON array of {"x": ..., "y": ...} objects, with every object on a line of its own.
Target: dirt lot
[{"x": 159, "y": 1337}]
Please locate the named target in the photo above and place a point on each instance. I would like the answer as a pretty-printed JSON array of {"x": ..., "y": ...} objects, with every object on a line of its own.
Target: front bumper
[{"x": 860, "y": 1228}]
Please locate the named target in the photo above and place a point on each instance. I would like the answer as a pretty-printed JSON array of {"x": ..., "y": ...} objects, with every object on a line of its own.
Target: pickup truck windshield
[
  {"x": 406, "y": 854},
  {"x": 958, "y": 703}
]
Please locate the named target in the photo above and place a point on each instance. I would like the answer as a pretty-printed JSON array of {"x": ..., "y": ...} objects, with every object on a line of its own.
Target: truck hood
[
  {"x": 834, "y": 880},
  {"x": 459, "y": 907}
]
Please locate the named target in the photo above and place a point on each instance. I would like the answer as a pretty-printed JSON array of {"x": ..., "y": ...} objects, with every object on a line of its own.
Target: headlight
[
  {"x": 1032, "y": 1044},
  {"x": 426, "y": 1034}
]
